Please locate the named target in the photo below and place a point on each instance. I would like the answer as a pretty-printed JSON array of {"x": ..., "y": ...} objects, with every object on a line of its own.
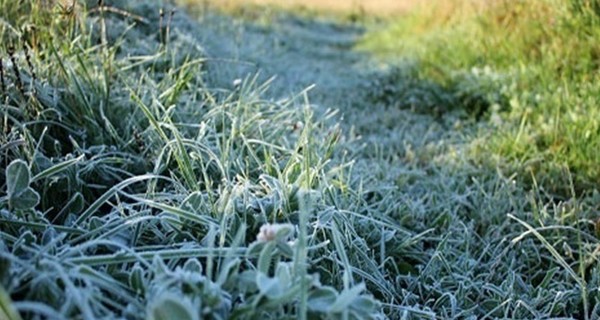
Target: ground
[
  {"x": 266, "y": 164},
  {"x": 371, "y": 7}
]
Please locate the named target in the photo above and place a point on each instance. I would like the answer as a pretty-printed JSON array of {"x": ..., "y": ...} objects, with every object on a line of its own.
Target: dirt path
[
  {"x": 371, "y": 7},
  {"x": 388, "y": 142},
  {"x": 299, "y": 53}
]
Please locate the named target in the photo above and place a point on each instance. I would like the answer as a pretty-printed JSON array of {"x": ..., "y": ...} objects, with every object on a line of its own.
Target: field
[{"x": 299, "y": 160}]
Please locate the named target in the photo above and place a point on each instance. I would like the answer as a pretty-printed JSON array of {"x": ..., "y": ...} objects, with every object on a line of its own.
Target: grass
[
  {"x": 149, "y": 172},
  {"x": 534, "y": 65}
]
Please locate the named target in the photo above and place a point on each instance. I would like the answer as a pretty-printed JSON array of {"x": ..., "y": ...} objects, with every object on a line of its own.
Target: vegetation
[
  {"x": 533, "y": 68},
  {"x": 150, "y": 172}
]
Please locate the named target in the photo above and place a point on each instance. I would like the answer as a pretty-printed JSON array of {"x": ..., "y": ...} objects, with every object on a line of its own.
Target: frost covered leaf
[
  {"x": 322, "y": 299},
  {"x": 365, "y": 306},
  {"x": 347, "y": 298},
  {"x": 285, "y": 248},
  {"x": 169, "y": 306},
  {"x": 193, "y": 266},
  {"x": 17, "y": 177},
  {"x": 20, "y": 195},
  {"x": 284, "y": 273},
  {"x": 228, "y": 272},
  {"x": 27, "y": 199},
  {"x": 136, "y": 279},
  {"x": 265, "y": 258},
  {"x": 270, "y": 287}
]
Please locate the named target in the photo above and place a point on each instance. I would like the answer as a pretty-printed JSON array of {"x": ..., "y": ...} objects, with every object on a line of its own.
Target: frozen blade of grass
[
  {"x": 498, "y": 307},
  {"x": 81, "y": 303},
  {"x": 184, "y": 74},
  {"x": 164, "y": 254},
  {"x": 182, "y": 156},
  {"x": 42, "y": 226},
  {"x": 81, "y": 91},
  {"x": 155, "y": 124},
  {"x": 113, "y": 228},
  {"x": 185, "y": 214},
  {"x": 57, "y": 168},
  {"x": 372, "y": 272},
  {"x": 7, "y": 308},
  {"x": 340, "y": 251},
  {"x": 549, "y": 247},
  {"x": 366, "y": 274},
  {"x": 419, "y": 312},
  {"x": 185, "y": 161},
  {"x": 581, "y": 282},
  {"x": 37, "y": 308},
  {"x": 388, "y": 225},
  {"x": 111, "y": 192},
  {"x": 7, "y": 237},
  {"x": 565, "y": 229},
  {"x": 12, "y": 144},
  {"x": 270, "y": 145},
  {"x": 108, "y": 283}
]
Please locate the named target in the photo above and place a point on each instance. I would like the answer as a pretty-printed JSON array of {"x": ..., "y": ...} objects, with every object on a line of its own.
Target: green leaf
[
  {"x": 17, "y": 177},
  {"x": 27, "y": 199},
  {"x": 322, "y": 299},
  {"x": 136, "y": 279},
  {"x": 170, "y": 306}
]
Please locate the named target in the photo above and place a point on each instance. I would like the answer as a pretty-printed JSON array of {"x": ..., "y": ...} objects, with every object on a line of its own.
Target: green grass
[
  {"x": 534, "y": 66},
  {"x": 143, "y": 179}
]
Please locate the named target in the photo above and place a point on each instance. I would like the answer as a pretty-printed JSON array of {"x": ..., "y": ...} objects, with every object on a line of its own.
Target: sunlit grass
[{"x": 541, "y": 61}]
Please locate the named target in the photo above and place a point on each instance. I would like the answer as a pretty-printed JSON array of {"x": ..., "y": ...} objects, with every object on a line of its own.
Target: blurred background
[{"x": 367, "y": 7}]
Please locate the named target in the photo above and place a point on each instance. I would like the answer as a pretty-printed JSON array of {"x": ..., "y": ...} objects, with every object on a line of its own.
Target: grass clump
[
  {"x": 531, "y": 65},
  {"x": 134, "y": 189}
]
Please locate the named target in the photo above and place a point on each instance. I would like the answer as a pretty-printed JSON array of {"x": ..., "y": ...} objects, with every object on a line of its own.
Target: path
[
  {"x": 371, "y": 7},
  {"x": 301, "y": 53}
]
